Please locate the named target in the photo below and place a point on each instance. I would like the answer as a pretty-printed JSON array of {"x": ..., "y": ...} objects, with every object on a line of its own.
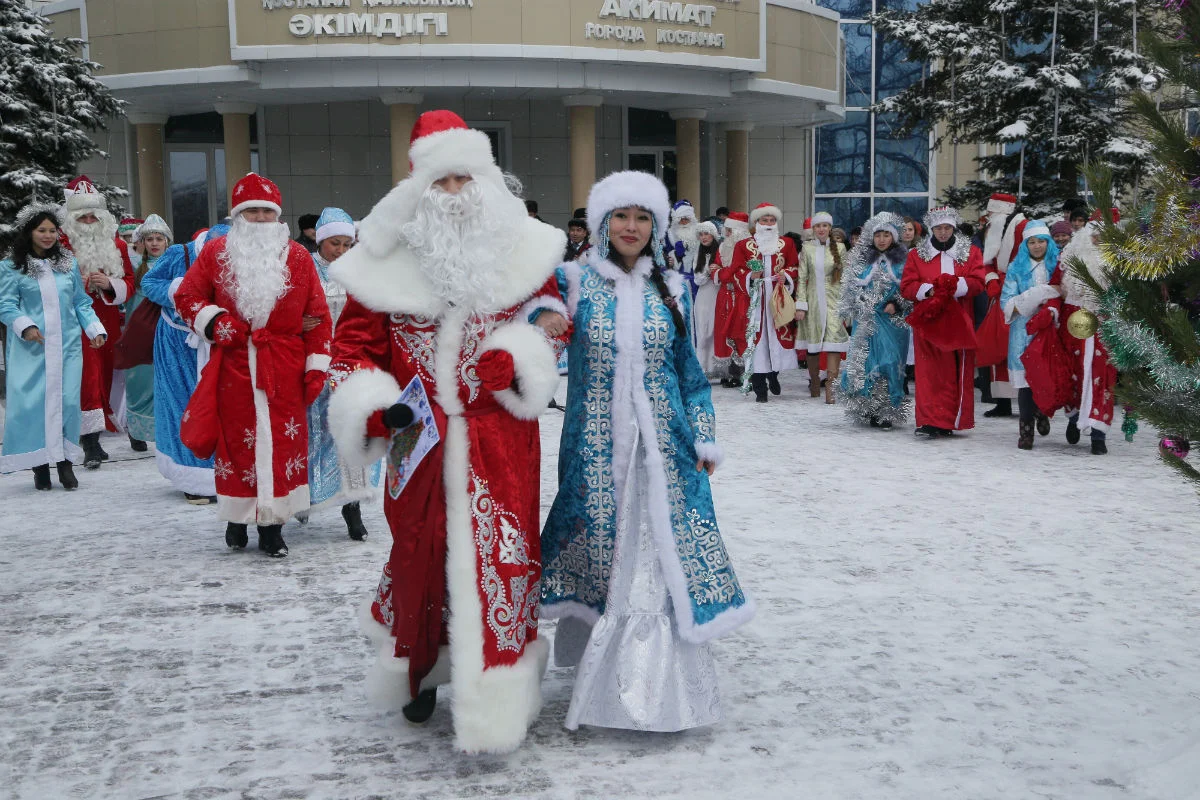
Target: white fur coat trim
[
  {"x": 536, "y": 368},
  {"x": 353, "y": 402},
  {"x": 394, "y": 282}
]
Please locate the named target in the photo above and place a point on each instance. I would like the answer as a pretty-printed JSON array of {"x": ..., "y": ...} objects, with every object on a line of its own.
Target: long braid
[
  {"x": 837, "y": 260},
  {"x": 660, "y": 283}
]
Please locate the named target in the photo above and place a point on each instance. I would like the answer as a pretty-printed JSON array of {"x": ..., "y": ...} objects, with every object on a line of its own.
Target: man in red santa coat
[
  {"x": 945, "y": 269},
  {"x": 729, "y": 327},
  {"x": 447, "y": 271},
  {"x": 761, "y": 264},
  {"x": 248, "y": 294},
  {"x": 1005, "y": 229},
  {"x": 90, "y": 231}
]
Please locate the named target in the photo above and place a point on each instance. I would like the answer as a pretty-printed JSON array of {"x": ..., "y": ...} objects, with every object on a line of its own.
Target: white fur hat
[
  {"x": 709, "y": 228},
  {"x": 623, "y": 189},
  {"x": 822, "y": 216},
  {"x": 84, "y": 197}
]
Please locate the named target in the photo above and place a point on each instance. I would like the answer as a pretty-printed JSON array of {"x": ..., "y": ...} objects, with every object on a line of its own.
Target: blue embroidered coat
[{"x": 627, "y": 367}]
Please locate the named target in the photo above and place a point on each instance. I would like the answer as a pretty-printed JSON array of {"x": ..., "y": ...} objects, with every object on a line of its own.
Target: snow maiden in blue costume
[
  {"x": 633, "y": 563},
  {"x": 179, "y": 357},
  {"x": 872, "y": 387},
  {"x": 47, "y": 313},
  {"x": 138, "y": 409},
  {"x": 331, "y": 483}
]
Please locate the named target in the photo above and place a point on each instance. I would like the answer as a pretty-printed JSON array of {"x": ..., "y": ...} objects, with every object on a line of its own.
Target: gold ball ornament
[{"x": 1083, "y": 324}]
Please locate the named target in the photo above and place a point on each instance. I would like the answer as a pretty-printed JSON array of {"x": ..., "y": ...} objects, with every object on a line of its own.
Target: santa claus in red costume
[
  {"x": 1005, "y": 230},
  {"x": 447, "y": 271},
  {"x": 90, "y": 231},
  {"x": 729, "y": 336},
  {"x": 249, "y": 294},
  {"x": 944, "y": 271}
]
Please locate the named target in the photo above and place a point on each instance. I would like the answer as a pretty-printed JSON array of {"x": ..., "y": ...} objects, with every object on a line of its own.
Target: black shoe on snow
[
  {"x": 1024, "y": 435},
  {"x": 420, "y": 710},
  {"x": 885, "y": 425},
  {"x": 93, "y": 456},
  {"x": 1072, "y": 431},
  {"x": 773, "y": 383},
  {"x": 137, "y": 444},
  {"x": 66, "y": 476},
  {"x": 352, "y": 514},
  {"x": 874, "y": 422},
  {"x": 1043, "y": 425},
  {"x": 945, "y": 433},
  {"x": 928, "y": 431},
  {"x": 197, "y": 499},
  {"x": 1099, "y": 448},
  {"x": 758, "y": 382},
  {"x": 1003, "y": 409},
  {"x": 41, "y": 478},
  {"x": 235, "y": 536},
  {"x": 270, "y": 541}
]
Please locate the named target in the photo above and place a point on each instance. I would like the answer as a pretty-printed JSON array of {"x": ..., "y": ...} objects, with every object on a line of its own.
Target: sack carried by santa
[
  {"x": 1048, "y": 371},
  {"x": 941, "y": 320},
  {"x": 199, "y": 429},
  {"x": 783, "y": 307},
  {"x": 992, "y": 338}
]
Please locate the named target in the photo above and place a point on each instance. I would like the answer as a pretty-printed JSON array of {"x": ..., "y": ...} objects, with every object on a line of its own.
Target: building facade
[{"x": 719, "y": 98}]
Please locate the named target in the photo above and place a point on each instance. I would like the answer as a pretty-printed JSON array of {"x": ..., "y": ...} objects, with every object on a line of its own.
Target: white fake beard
[
  {"x": 93, "y": 243},
  {"x": 255, "y": 267},
  {"x": 686, "y": 234},
  {"x": 1082, "y": 247},
  {"x": 767, "y": 237},
  {"x": 994, "y": 237},
  {"x": 729, "y": 243},
  {"x": 464, "y": 240}
]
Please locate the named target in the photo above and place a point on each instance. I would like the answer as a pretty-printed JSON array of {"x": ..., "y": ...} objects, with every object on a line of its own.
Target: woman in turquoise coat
[
  {"x": 155, "y": 236},
  {"x": 633, "y": 562},
  {"x": 47, "y": 312}
]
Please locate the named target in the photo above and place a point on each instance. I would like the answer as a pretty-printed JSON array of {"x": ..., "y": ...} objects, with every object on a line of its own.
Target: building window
[{"x": 862, "y": 166}]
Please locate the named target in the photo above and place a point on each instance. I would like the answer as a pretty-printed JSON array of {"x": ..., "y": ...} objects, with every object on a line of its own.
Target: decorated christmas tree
[
  {"x": 1150, "y": 312},
  {"x": 1043, "y": 83},
  {"x": 49, "y": 102}
]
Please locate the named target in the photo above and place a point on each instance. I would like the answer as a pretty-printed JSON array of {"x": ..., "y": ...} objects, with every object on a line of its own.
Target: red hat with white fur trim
[
  {"x": 1000, "y": 203},
  {"x": 738, "y": 221},
  {"x": 84, "y": 196},
  {"x": 765, "y": 208},
  {"x": 441, "y": 144},
  {"x": 255, "y": 191}
]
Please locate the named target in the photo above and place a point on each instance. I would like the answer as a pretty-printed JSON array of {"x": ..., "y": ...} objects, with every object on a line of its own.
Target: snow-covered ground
[{"x": 950, "y": 619}]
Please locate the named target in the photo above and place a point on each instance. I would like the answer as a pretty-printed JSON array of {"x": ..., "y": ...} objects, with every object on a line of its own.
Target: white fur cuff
[
  {"x": 991, "y": 276},
  {"x": 493, "y": 711},
  {"x": 318, "y": 361},
  {"x": 120, "y": 291},
  {"x": 22, "y": 324},
  {"x": 173, "y": 288},
  {"x": 961, "y": 289},
  {"x": 353, "y": 402},
  {"x": 535, "y": 364},
  {"x": 95, "y": 329},
  {"x": 710, "y": 452},
  {"x": 203, "y": 317},
  {"x": 923, "y": 292}
]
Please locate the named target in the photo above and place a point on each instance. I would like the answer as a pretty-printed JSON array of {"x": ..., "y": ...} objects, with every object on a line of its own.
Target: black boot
[
  {"x": 66, "y": 476},
  {"x": 1024, "y": 435},
  {"x": 137, "y": 444},
  {"x": 235, "y": 536},
  {"x": 270, "y": 541},
  {"x": 1073, "y": 430},
  {"x": 928, "y": 431},
  {"x": 1099, "y": 448},
  {"x": 773, "y": 383},
  {"x": 421, "y": 709},
  {"x": 758, "y": 382},
  {"x": 198, "y": 499},
  {"x": 354, "y": 524},
  {"x": 93, "y": 456},
  {"x": 1043, "y": 425},
  {"x": 41, "y": 478},
  {"x": 1003, "y": 408}
]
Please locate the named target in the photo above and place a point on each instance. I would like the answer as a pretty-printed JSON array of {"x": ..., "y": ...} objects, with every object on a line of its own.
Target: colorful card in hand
[{"x": 410, "y": 445}]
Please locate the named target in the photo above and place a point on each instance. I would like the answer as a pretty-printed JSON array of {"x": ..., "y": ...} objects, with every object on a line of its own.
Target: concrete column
[
  {"x": 403, "y": 109},
  {"x": 737, "y": 165},
  {"x": 235, "y": 118},
  {"x": 151, "y": 181},
  {"x": 687, "y": 153},
  {"x": 582, "y": 110}
]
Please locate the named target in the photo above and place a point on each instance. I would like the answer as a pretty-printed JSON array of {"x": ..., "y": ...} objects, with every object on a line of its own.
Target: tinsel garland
[
  {"x": 1168, "y": 239},
  {"x": 752, "y": 326},
  {"x": 1134, "y": 345},
  {"x": 860, "y": 303},
  {"x": 1129, "y": 425}
]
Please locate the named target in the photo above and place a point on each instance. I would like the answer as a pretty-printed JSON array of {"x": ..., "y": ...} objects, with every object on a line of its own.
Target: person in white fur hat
[
  {"x": 137, "y": 411},
  {"x": 729, "y": 327},
  {"x": 705, "y": 309},
  {"x": 91, "y": 234},
  {"x": 818, "y": 295},
  {"x": 634, "y": 564},
  {"x": 447, "y": 270}
]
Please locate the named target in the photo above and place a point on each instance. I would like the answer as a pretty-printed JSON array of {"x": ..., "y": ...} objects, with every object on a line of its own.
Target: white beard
[
  {"x": 1082, "y": 247},
  {"x": 729, "y": 243},
  {"x": 464, "y": 241},
  {"x": 767, "y": 237},
  {"x": 94, "y": 243},
  {"x": 994, "y": 236},
  {"x": 254, "y": 267}
]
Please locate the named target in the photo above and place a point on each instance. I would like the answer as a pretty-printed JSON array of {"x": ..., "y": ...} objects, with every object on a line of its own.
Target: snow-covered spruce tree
[
  {"x": 1150, "y": 312},
  {"x": 49, "y": 102},
  {"x": 990, "y": 81}
]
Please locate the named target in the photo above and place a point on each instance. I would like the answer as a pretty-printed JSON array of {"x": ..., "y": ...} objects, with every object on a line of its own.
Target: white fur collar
[
  {"x": 396, "y": 284},
  {"x": 612, "y": 272}
]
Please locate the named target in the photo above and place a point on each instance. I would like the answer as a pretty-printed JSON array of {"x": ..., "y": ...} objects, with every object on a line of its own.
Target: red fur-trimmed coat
[
  {"x": 96, "y": 387},
  {"x": 461, "y": 584},
  {"x": 785, "y": 263},
  {"x": 259, "y": 417}
]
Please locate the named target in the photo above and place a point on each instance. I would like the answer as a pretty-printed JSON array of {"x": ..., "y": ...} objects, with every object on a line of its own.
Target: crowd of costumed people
[{"x": 407, "y": 358}]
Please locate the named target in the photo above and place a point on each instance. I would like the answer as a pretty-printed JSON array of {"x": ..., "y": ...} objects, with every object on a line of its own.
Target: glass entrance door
[
  {"x": 199, "y": 197},
  {"x": 659, "y": 162}
]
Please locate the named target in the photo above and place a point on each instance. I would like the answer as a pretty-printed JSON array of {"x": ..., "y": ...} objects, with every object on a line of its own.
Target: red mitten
[
  {"x": 376, "y": 427},
  {"x": 314, "y": 382},
  {"x": 1041, "y": 320},
  {"x": 229, "y": 331},
  {"x": 496, "y": 370},
  {"x": 994, "y": 288},
  {"x": 946, "y": 284}
]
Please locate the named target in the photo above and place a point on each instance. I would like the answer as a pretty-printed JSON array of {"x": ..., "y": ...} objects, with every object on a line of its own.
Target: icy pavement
[{"x": 921, "y": 634}]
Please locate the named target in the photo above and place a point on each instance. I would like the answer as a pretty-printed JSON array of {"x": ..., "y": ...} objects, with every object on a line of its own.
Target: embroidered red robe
[{"x": 96, "y": 387}]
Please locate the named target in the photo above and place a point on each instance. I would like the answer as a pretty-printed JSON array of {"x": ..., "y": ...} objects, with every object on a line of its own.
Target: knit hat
[
  {"x": 129, "y": 225},
  {"x": 738, "y": 221},
  {"x": 153, "y": 224},
  {"x": 622, "y": 189},
  {"x": 334, "y": 222},
  {"x": 84, "y": 197},
  {"x": 255, "y": 191},
  {"x": 765, "y": 208},
  {"x": 1061, "y": 227}
]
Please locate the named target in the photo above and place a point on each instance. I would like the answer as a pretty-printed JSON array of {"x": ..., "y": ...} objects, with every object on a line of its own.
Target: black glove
[{"x": 398, "y": 416}]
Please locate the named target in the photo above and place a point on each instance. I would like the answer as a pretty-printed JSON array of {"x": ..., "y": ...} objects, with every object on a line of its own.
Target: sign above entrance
[{"x": 664, "y": 31}]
